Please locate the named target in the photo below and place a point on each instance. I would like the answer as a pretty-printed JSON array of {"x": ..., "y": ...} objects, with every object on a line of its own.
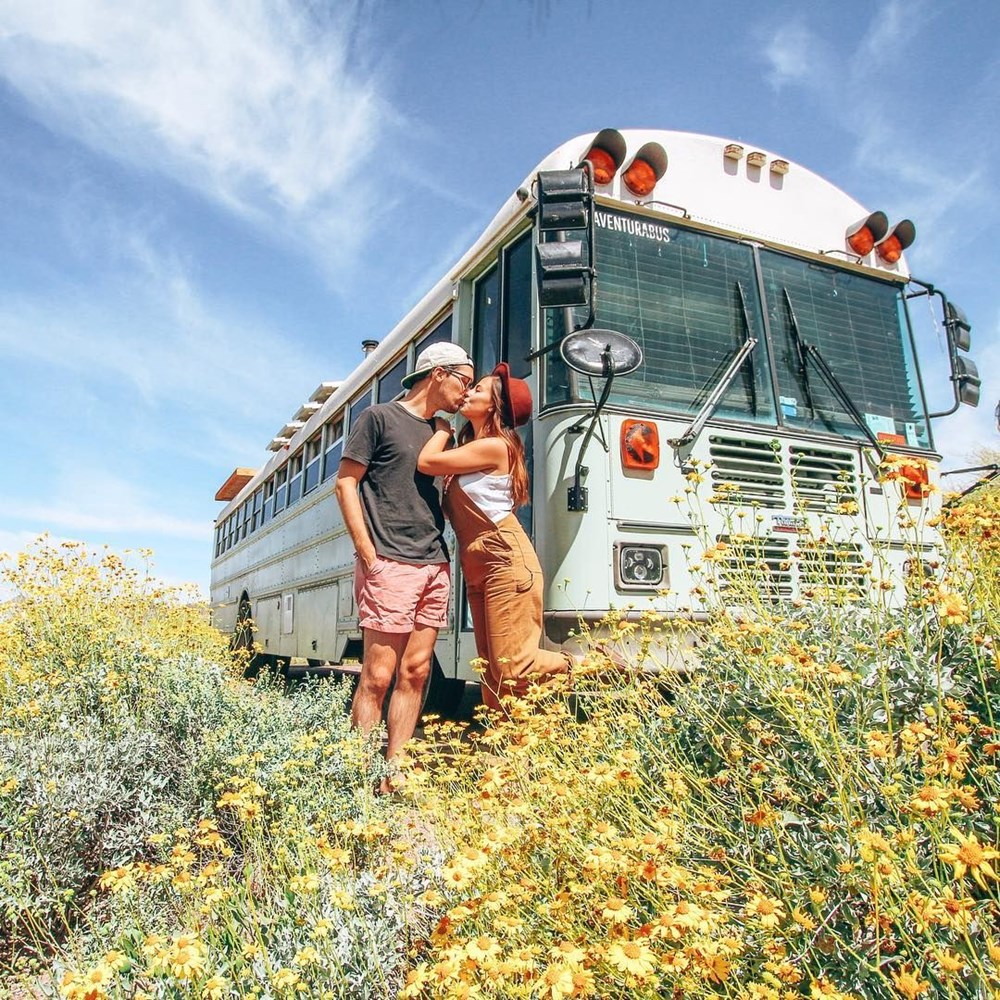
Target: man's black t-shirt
[{"x": 402, "y": 506}]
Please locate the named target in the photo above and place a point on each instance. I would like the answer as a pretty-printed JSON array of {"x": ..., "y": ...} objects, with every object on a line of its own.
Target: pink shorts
[{"x": 397, "y": 597}]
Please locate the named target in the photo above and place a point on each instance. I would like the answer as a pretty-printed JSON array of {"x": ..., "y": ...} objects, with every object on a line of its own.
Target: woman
[{"x": 487, "y": 481}]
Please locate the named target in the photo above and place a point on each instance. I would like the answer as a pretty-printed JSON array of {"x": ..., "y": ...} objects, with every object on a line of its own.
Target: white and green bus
[{"x": 677, "y": 303}]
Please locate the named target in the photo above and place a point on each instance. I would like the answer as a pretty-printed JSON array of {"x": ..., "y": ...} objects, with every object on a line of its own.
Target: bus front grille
[
  {"x": 822, "y": 479},
  {"x": 761, "y": 565},
  {"x": 745, "y": 471},
  {"x": 832, "y": 569}
]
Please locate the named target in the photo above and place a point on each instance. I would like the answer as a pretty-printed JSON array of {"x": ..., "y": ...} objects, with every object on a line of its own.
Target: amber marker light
[
  {"x": 892, "y": 247},
  {"x": 648, "y": 166},
  {"x": 603, "y": 164},
  {"x": 640, "y": 445},
  {"x": 863, "y": 235},
  {"x": 606, "y": 155}
]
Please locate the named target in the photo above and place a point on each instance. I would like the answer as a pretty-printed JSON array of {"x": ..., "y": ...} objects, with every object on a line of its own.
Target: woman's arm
[{"x": 480, "y": 455}]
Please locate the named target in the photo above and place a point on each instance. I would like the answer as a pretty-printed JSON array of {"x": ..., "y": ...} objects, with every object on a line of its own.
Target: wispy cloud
[
  {"x": 793, "y": 54},
  {"x": 265, "y": 107},
  {"x": 154, "y": 344},
  {"x": 98, "y": 503}
]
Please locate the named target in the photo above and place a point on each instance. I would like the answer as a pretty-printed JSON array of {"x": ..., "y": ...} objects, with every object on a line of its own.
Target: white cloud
[
  {"x": 262, "y": 106},
  {"x": 791, "y": 54}
]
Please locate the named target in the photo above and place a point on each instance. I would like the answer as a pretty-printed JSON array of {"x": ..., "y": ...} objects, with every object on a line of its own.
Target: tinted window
[
  {"x": 295, "y": 479},
  {"x": 313, "y": 459},
  {"x": 334, "y": 445},
  {"x": 486, "y": 331},
  {"x": 689, "y": 300},
  {"x": 361, "y": 403},
  {"x": 258, "y": 498},
  {"x": 268, "y": 510},
  {"x": 517, "y": 306},
  {"x": 280, "y": 489},
  {"x": 858, "y": 326},
  {"x": 440, "y": 333},
  {"x": 390, "y": 385}
]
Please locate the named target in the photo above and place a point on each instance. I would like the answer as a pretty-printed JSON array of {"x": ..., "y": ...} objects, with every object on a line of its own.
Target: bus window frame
[
  {"x": 364, "y": 398},
  {"x": 334, "y": 426},
  {"x": 315, "y": 462},
  {"x": 280, "y": 489},
  {"x": 267, "y": 508},
  {"x": 400, "y": 363},
  {"x": 255, "y": 508}
]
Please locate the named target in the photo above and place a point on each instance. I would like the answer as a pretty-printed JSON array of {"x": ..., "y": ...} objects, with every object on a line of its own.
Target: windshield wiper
[
  {"x": 747, "y": 336},
  {"x": 720, "y": 390},
  {"x": 809, "y": 351},
  {"x": 800, "y": 351}
]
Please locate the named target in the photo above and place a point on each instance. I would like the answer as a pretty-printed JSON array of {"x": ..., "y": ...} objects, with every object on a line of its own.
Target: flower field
[{"x": 813, "y": 811}]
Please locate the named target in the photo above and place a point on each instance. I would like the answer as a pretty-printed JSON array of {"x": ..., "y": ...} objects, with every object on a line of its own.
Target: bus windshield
[{"x": 692, "y": 299}]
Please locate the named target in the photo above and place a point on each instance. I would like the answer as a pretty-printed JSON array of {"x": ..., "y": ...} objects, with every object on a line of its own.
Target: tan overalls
[{"x": 503, "y": 580}]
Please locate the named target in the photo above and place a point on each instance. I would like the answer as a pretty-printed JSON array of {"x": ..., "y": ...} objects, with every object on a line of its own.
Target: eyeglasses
[{"x": 466, "y": 380}]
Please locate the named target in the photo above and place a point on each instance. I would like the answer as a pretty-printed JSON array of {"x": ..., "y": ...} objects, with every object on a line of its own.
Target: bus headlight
[{"x": 639, "y": 567}]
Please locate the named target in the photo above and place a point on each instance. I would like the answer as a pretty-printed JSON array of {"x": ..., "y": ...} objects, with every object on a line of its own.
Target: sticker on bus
[{"x": 787, "y": 523}]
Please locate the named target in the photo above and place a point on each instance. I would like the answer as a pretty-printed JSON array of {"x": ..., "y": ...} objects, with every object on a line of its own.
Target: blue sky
[{"x": 206, "y": 206}]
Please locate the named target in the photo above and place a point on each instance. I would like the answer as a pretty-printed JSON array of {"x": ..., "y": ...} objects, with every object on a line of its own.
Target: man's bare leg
[
  {"x": 383, "y": 652},
  {"x": 408, "y": 694}
]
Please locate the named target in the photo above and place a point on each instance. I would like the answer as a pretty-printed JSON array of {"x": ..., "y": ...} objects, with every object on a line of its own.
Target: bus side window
[
  {"x": 218, "y": 540},
  {"x": 295, "y": 479},
  {"x": 390, "y": 383},
  {"x": 280, "y": 489},
  {"x": 314, "y": 449},
  {"x": 255, "y": 521},
  {"x": 486, "y": 319},
  {"x": 516, "y": 307},
  {"x": 361, "y": 403},
  {"x": 334, "y": 446},
  {"x": 268, "y": 510},
  {"x": 440, "y": 333}
]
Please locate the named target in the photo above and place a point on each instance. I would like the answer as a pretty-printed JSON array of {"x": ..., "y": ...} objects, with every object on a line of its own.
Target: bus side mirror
[
  {"x": 967, "y": 380},
  {"x": 964, "y": 372},
  {"x": 958, "y": 327}
]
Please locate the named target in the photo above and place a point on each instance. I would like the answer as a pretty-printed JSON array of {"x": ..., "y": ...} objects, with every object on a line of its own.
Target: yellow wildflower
[
  {"x": 633, "y": 958},
  {"x": 769, "y": 912},
  {"x": 970, "y": 856},
  {"x": 909, "y": 984}
]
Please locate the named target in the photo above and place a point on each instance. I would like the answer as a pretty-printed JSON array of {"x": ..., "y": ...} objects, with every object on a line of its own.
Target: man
[{"x": 393, "y": 514}]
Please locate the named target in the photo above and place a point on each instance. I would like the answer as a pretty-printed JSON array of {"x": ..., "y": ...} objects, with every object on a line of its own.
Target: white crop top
[{"x": 489, "y": 492}]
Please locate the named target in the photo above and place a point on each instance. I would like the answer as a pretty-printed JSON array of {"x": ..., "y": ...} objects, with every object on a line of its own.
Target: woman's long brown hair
[{"x": 494, "y": 427}]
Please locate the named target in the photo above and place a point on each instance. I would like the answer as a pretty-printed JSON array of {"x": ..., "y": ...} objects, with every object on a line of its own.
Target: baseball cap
[
  {"x": 516, "y": 396},
  {"x": 441, "y": 355}
]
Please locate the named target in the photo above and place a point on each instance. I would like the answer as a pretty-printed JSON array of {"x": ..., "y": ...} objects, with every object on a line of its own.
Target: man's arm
[{"x": 349, "y": 477}]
